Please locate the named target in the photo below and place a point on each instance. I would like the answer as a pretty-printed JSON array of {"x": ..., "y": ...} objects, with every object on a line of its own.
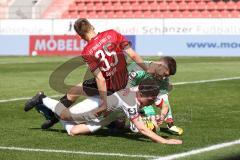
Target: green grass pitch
[{"x": 208, "y": 112}]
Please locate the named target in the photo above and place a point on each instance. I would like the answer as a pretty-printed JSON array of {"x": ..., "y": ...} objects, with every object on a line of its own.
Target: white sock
[
  {"x": 50, "y": 103},
  {"x": 54, "y": 105}
]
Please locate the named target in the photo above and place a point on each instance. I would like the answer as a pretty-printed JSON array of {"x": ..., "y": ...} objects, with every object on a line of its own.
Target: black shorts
[{"x": 91, "y": 89}]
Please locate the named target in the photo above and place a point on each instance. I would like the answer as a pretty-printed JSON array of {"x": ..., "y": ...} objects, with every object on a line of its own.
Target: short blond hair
[{"x": 82, "y": 26}]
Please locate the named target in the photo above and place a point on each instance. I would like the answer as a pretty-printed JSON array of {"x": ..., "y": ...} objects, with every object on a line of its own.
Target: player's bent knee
[
  {"x": 65, "y": 115},
  {"x": 75, "y": 92},
  {"x": 72, "y": 97}
]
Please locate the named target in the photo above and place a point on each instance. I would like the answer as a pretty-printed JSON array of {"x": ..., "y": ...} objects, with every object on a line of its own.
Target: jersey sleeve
[
  {"x": 161, "y": 99},
  {"x": 136, "y": 77},
  {"x": 131, "y": 113},
  {"x": 149, "y": 111},
  {"x": 127, "y": 103},
  {"x": 122, "y": 41}
]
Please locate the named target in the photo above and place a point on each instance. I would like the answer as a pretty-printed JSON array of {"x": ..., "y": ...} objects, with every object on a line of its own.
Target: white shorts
[
  {"x": 93, "y": 124},
  {"x": 69, "y": 125}
]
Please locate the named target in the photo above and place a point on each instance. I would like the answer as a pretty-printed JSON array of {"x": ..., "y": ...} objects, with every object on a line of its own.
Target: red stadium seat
[
  {"x": 192, "y": 6},
  {"x": 179, "y": 1},
  {"x": 127, "y": 6},
  {"x": 149, "y": 14},
  {"x": 79, "y": 4},
  {"x": 175, "y": 14},
  {"x": 238, "y": 5},
  {"x": 110, "y": 13},
  {"x": 160, "y": 1},
  {"x": 101, "y": 14},
  {"x": 234, "y": 14},
  {"x": 99, "y": 5},
  {"x": 138, "y": 14},
  {"x": 127, "y": 13},
  {"x": 163, "y": 6},
  {"x": 72, "y": 8},
  {"x": 230, "y": 6},
  {"x": 114, "y": 0},
  {"x": 221, "y": 5},
  {"x": 201, "y": 6},
  {"x": 117, "y": 14},
  {"x": 66, "y": 15},
  {"x": 136, "y": 8},
  {"x": 216, "y": 14},
  {"x": 206, "y": 14},
  {"x": 153, "y": 8},
  {"x": 188, "y": 1},
  {"x": 114, "y": 6},
  {"x": 173, "y": 6},
  {"x": 186, "y": 14},
  {"x": 206, "y": 1},
  {"x": 90, "y": 5},
  {"x": 132, "y": 1},
  {"x": 196, "y": 14},
  {"x": 144, "y": 6},
  {"x": 182, "y": 6},
  {"x": 109, "y": 6},
  {"x": 211, "y": 6}
]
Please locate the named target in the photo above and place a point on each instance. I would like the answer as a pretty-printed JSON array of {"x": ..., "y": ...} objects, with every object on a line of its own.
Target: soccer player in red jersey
[{"x": 105, "y": 56}]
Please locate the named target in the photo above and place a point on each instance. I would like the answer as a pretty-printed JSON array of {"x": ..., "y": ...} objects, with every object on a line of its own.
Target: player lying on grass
[
  {"x": 80, "y": 119},
  {"x": 105, "y": 57},
  {"x": 136, "y": 75}
]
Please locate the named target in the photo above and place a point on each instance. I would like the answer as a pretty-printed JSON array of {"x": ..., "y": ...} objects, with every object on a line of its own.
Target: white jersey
[
  {"x": 121, "y": 103},
  {"x": 124, "y": 101}
]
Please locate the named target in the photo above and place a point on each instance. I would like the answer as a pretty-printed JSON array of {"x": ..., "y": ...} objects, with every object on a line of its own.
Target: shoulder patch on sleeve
[
  {"x": 132, "y": 111},
  {"x": 132, "y": 75}
]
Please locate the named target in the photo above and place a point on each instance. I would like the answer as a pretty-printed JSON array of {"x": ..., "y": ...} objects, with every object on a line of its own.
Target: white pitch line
[
  {"x": 30, "y": 62},
  {"x": 198, "y": 151},
  {"x": 170, "y": 157},
  {"x": 177, "y": 83},
  {"x": 22, "y": 98},
  {"x": 206, "y": 81},
  {"x": 75, "y": 152}
]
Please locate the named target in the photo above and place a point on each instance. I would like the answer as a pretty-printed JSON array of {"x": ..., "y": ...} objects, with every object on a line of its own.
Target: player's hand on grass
[{"x": 173, "y": 141}]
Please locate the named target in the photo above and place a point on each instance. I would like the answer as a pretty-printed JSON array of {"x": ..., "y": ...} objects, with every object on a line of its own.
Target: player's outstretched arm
[
  {"x": 135, "y": 57},
  {"x": 153, "y": 136}
]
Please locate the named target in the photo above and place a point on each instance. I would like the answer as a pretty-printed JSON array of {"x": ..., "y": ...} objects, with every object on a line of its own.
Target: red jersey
[{"x": 106, "y": 52}]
